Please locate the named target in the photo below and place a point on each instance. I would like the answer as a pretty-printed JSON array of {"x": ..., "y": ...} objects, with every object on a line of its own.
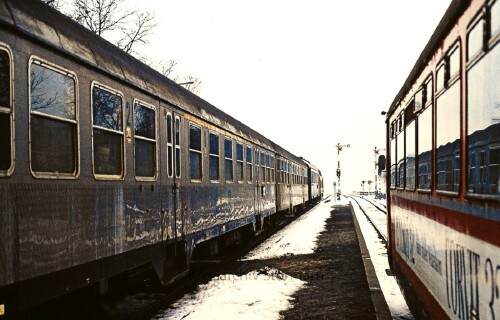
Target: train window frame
[
  {"x": 99, "y": 176},
  {"x": 249, "y": 164},
  {"x": 195, "y": 152},
  {"x": 177, "y": 147},
  {"x": 9, "y": 110},
  {"x": 169, "y": 122},
  {"x": 155, "y": 141},
  {"x": 76, "y": 143},
  {"x": 400, "y": 133},
  {"x": 214, "y": 156},
  {"x": 479, "y": 36},
  {"x": 273, "y": 169},
  {"x": 228, "y": 160},
  {"x": 240, "y": 162}
]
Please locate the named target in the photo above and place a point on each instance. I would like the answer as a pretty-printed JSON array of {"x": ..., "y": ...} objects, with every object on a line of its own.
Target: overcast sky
[{"x": 306, "y": 74}]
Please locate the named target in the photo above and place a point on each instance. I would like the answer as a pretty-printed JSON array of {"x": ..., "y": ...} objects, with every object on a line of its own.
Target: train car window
[
  {"x": 475, "y": 39},
  {"x": 483, "y": 125},
  {"x": 440, "y": 77},
  {"x": 228, "y": 156},
  {"x": 249, "y": 164},
  {"x": 53, "y": 121},
  {"x": 410, "y": 156},
  {"x": 262, "y": 174},
  {"x": 393, "y": 154},
  {"x": 273, "y": 166},
  {"x": 418, "y": 101},
  {"x": 257, "y": 160},
  {"x": 144, "y": 140},
  {"x": 448, "y": 138},
  {"x": 214, "y": 157},
  {"x": 177, "y": 144},
  {"x": 400, "y": 154},
  {"x": 107, "y": 137},
  {"x": 495, "y": 19},
  {"x": 195, "y": 156},
  {"x": 425, "y": 149},
  {"x": 239, "y": 162},
  {"x": 170, "y": 146},
  {"x": 454, "y": 62},
  {"x": 428, "y": 92},
  {"x": 6, "y": 148},
  {"x": 268, "y": 167}
]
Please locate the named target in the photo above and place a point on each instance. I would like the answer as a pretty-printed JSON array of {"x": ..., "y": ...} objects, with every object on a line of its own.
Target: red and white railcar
[{"x": 443, "y": 186}]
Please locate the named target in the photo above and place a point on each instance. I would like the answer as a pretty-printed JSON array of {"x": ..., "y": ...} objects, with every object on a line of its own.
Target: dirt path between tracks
[{"x": 336, "y": 282}]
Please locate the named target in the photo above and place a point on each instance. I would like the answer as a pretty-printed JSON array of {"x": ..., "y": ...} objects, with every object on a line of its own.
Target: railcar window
[
  {"x": 273, "y": 166},
  {"x": 448, "y": 138},
  {"x": 195, "y": 166},
  {"x": 262, "y": 176},
  {"x": 392, "y": 135},
  {"x": 268, "y": 167},
  {"x": 410, "y": 156},
  {"x": 170, "y": 147},
  {"x": 107, "y": 115},
  {"x": 428, "y": 92},
  {"x": 177, "y": 141},
  {"x": 53, "y": 123},
  {"x": 425, "y": 149},
  {"x": 495, "y": 18},
  {"x": 454, "y": 62},
  {"x": 400, "y": 153},
  {"x": 475, "y": 39},
  {"x": 144, "y": 141},
  {"x": 440, "y": 77},
  {"x": 239, "y": 162},
  {"x": 214, "y": 157},
  {"x": 5, "y": 112},
  {"x": 257, "y": 160},
  {"x": 249, "y": 164},
  {"x": 483, "y": 124},
  {"x": 228, "y": 154}
]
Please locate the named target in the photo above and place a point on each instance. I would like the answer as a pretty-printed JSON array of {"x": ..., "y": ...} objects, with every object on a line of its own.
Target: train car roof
[
  {"x": 455, "y": 10},
  {"x": 34, "y": 19}
]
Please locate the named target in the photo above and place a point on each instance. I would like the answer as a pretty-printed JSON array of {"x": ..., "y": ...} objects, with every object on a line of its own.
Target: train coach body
[
  {"x": 443, "y": 184},
  {"x": 106, "y": 165}
]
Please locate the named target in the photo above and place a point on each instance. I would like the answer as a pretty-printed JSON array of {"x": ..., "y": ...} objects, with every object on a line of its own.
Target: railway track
[{"x": 375, "y": 213}]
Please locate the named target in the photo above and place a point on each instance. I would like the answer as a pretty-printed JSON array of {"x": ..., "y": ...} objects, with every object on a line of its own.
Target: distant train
[
  {"x": 106, "y": 165},
  {"x": 443, "y": 185}
]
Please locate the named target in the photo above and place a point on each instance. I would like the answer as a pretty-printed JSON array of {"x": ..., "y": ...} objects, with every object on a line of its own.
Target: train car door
[{"x": 173, "y": 197}]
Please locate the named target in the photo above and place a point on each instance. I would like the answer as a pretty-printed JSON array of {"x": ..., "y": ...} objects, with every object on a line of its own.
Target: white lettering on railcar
[{"x": 461, "y": 272}]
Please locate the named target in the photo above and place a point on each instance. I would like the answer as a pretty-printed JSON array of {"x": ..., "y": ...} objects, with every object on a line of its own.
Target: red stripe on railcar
[{"x": 474, "y": 226}]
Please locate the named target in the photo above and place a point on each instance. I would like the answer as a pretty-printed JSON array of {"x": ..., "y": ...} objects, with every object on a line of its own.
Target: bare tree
[
  {"x": 191, "y": 83},
  {"x": 105, "y": 18},
  {"x": 53, "y": 3}
]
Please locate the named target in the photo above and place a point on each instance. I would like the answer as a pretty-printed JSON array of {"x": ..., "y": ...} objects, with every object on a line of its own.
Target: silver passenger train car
[{"x": 106, "y": 165}]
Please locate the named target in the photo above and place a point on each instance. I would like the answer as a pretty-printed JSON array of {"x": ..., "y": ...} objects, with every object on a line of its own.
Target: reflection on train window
[
  {"x": 448, "y": 139},
  {"x": 425, "y": 149},
  {"x": 454, "y": 62},
  {"x": 228, "y": 156},
  {"x": 257, "y": 159},
  {"x": 428, "y": 92},
  {"x": 475, "y": 39},
  {"x": 400, "y": 153},
  {"x": 170, "y": 148},
  {"x": 483, "y": 125},
  {"x": 410, "y": 156},
  {"x": 239, "y": 162},
  {"x": 107, "y": 113},
  {"x": 495, "y": 18},
  {"x": 262, "y": 175},
  {"x": 145, "y": 141},
  {"x": 214, "y": 157},
  {"x": 272, "y": 169},
  {"x": 5, "y": 113},
  {"x": 177, "y": 137},
  {"x": 53, "y": 121},
  {"x": 249, "y": 164},
  {"x": 195, "y": 166}
]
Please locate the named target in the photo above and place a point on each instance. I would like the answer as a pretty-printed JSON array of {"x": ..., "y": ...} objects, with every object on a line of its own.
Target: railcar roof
[
  {"x": 456, "y": 8},
  {"x": 35, "y": 19}
]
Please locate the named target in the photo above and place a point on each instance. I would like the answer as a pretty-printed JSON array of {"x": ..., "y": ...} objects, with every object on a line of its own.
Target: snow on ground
[
  {"x": 299, "y": 237},
  {"x": 258, "y": 294},
  {"x": 378, "y": 254}
]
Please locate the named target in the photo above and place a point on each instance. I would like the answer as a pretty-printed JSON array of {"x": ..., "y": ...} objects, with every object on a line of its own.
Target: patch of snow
[
  {"x": 299, "y": 237},
  {"x": 260, "y": 294},
  {"x": 378, "y": 254}
]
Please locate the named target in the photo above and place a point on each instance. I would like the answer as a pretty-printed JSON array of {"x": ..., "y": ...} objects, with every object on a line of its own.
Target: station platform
[{"x": 341, "y": 281}]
